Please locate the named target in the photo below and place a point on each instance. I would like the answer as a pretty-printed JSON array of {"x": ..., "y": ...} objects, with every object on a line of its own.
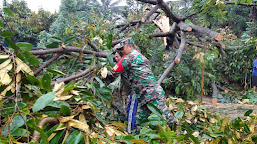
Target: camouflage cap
[{"x": 124, "y": 42}]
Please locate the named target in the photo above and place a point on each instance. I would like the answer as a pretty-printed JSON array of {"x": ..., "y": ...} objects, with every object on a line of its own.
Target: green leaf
[
  {"x": 24, "y": 46},
  {"x": 31, "y": 58},
  {"x": 57, "y": 39},
  {"x": 248, "y": 112},
  {"x": 46, "y": 82},
  {"x": 100, "y": 82},
  {"x": 177, "y": 90},
  {"x": 179, "y": 114},
  {"x": 19, "y": 132},
  {"x": 154, "y": 109},
  {"x": 8, "y": 12},
  {"x": 74, "y": 138},
  {"x": 43, "y": 101},
  {"x": 246, "y": 128},
  {"x": 1, "y": 25},
  {"x": 53, "y": 45},
  {"x": 110, "y": 60},
  {"x": 58, "y": 104},
  {"x": 32, "y": 80},
  {"x": 57, "y": 137},
  {"x": 70, "y": 86},
  {"x": 208, "y": 136},
  {"x": 109, "y": 41},
  {"x": 16, "y": 123},
  {"x": 6, "y": 34},
  {"x": 69, "y": 40},
  {"x": 194, "y": 139},
  {"x": 65, "y": 110},
  {"x": 11, "y": 43},
  {"x": 57, "y": 72}
]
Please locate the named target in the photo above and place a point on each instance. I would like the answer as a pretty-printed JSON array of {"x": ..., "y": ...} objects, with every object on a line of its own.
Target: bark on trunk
[{"x": 68, "y": 49}]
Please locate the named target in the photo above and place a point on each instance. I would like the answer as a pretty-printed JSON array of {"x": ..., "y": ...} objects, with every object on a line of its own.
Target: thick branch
[
  {"x": 68, "y": 49},
  {"x": 132, "y": 23},
  {"x": 93, "y": 46},
  {"x": 191, "y": 43},
  {"x": 47, "y": 63},
  {"x": 185, "y": 27},
  {"x": 168, "y": 12},
  {"x": 154, "y": 2},
  {"x": 177, "y": 58},
  {"x": 207, "y": 32},
  {"x": 150, "y": 13},
  {"x": 166, "y": 72},
  {"x": 171, "y": 33},
  {"x": 36, "y": 135},
  {"x": 222, "y": 88},
  {"x": 117, "y": 41},
  {"x": 181, "y": 47},
  {"x": 75, "y": 76}
]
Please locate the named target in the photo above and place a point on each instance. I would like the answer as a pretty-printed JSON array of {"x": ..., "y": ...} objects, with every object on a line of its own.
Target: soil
[{"x": 231, "y": 110}]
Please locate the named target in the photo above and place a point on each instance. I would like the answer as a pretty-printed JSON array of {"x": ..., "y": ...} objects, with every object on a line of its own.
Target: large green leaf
[
  {"x": 57, "y": 137},
  {"x": 43, "y": 101},
  {"x": 110, "y": 60},
  {"x": 24, "y": 46},
  {"x": 65, "y": 110},
  {"x": 74, "y": 138},
  {"x": 19, "y": 132},
  {"x": 8, "y": 12},
  {"x": 11, "y": 43},
  {"x": 16, "y": 123},
  {"x": 154, "y": 109},
  {"x": 248, "y": 112},
  {"x": 46, "y": 82},
  {"x": 6, "y": 34},
  {"x": 31, "y": 58},
  {"x": 32, "y": 80}
]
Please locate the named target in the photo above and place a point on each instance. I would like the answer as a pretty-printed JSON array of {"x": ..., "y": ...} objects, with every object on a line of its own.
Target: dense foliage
[{"x": 37, "y": 106}]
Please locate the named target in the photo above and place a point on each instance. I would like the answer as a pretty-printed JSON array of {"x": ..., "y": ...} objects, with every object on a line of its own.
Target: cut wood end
[
  {"x": 177, "y": 61},
  {"x": 226, "y": 91},
  {"x": 214, "y": 101},
  {"x": 143, "y": 20},
  {"x": 189, "y": 29},
  {"x": 224, "y": 54},
  {"x": 223, "y": 46},
  {"x": 218, "y": 37}
]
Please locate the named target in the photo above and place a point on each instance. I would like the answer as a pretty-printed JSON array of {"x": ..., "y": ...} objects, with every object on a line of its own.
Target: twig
[
  {"x": 47, "y": 63},
  {"x": 75, "y": 76}
]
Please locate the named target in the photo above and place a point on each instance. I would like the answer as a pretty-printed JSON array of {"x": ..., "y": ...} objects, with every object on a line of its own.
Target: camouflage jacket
[{"x": 141, "y": 78}]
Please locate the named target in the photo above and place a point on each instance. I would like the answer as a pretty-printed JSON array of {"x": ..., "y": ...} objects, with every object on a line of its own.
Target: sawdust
[{"x": 230, "y": 110}]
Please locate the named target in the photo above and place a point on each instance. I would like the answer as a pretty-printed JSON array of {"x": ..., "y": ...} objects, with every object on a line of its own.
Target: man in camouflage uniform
[{"x": 142, "y": 80}]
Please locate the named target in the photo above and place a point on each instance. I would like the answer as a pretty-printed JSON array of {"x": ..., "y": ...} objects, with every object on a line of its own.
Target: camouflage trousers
[{"x": 143, "y": 112}]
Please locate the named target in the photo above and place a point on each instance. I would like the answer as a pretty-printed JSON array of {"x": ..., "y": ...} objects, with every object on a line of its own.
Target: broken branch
[
  {"x": 47, "y": 63},
  {"x": 75, "y": 76},
  {"x": 68, "y": 49},
  {"x": 150, "y": 13}
]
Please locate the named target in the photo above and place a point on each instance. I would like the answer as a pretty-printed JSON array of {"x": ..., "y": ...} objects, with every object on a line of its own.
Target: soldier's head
[
  {"x": 127, "y": 46},
  {"x": 118, "y": 55}
]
